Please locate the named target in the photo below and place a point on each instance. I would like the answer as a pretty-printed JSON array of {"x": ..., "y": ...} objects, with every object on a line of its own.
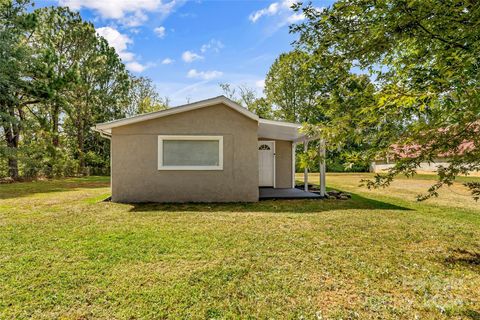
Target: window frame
[{"x": 162, "y": 138}]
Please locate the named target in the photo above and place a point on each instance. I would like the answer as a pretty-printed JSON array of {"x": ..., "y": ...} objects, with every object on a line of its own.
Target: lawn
[{"x": 381, "y": 255}]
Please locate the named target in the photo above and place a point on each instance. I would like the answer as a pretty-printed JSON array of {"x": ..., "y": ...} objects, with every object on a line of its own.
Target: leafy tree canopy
[
  {"x": 144, "y": 97},
  {"x": 424, "y": 56},
  {"x": 247, "y": 97},
  {"x": 291, "y": 86},
  {"x": 57, "y": 79}
]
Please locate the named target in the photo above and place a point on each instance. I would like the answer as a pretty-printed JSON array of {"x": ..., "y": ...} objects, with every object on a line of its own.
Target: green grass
[{"x": 381, "y": 255}]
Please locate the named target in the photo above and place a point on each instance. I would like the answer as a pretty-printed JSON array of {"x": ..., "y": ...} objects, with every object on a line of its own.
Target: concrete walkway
[{"x": 286, "y": 193}]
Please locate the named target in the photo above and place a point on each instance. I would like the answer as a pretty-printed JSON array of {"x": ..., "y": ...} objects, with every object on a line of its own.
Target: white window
[{"x": 190, "y": 153}]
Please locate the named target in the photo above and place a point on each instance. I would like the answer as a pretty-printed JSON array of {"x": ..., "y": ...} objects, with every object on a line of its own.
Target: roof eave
[
  {"x": 280, "y": 123},
  {"x": 104, "y": 133}
]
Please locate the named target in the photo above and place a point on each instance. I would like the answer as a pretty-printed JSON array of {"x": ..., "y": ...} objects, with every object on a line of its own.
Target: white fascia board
[{"x": 280, "y": 123}]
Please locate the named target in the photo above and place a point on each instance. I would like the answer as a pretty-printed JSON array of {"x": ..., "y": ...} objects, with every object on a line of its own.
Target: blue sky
[{"x": 188, "y": 47}]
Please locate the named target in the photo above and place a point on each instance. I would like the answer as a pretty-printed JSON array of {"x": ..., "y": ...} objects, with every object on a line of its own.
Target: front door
[{"x": 266, "y": 163}]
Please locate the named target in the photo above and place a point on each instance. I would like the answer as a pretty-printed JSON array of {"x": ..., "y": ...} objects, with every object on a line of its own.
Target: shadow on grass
[
  {"x": 471, "y": 314},
  {"x": 23, "y": 189},
  {"x": 464, "y": 257},
  {"x": 357, "y": 202}
]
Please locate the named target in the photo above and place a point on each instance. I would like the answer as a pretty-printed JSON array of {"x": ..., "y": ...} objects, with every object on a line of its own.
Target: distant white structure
[
  {"x": 379, "y": 166},
  {"x": 384, "y": 165}
]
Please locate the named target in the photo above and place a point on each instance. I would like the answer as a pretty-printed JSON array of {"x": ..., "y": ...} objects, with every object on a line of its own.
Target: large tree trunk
[
  {"x": 13, "y": 168},
  {"x": 12, "y": 144},
  {"x": 12, "y": 133},
  {"x": 13, "y": 127},
  {"x": 81, "y": 146},
  {"x": 55, "y": 120},
  {"x": 79, "y": 126},
  {"x": 54, "y": 126}
]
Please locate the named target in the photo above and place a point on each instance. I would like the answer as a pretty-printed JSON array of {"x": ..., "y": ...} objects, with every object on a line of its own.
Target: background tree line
[{"x": 57, "y": 79}]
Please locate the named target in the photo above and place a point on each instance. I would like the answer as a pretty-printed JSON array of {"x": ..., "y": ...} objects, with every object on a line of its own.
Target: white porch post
[
  {"x": 294, "y": 149},
  {"x": 305, "y": 171},
  {"x": 322, "y": 166}
]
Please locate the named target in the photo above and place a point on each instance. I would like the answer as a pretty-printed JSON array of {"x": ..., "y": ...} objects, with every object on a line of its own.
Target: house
[
  {"x": 207, "y": 151},
  {"x": 411, "y": 151}
]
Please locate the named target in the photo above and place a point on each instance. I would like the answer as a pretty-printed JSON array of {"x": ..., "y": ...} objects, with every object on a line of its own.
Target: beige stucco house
[{"x": 208, "y": 151}]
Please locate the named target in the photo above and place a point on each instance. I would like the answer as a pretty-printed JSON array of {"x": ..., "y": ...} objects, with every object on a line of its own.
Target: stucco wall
[
  {"x": 135, "y": 177},
  {"x": 283, "y": 163}
]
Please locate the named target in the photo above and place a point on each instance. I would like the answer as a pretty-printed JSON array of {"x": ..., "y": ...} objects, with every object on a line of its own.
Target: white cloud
[
  {"x": 160, "y": 31},
  {"x": 167, "y": 61},
  {"x": 134, "y": 20},
  {"x": 205, "y": 75},
  {"x": 296, "y": 17},
  {"x": 117, "y": 40},
  {"x": 271, "y": 10},
  {"x": 128, "y": 12},
  {"x": 136, "y": 66},
  {"x": 120, "y": 43},
  {"x": 189, "y": 56},
  {"x": 125, "y": 55},
  {"x": 282, "y": 9},
  {"x": 213, "y": 45},
  {"x": 260, "y": 84}
]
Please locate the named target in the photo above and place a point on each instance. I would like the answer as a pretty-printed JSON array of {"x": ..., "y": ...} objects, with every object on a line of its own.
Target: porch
[{"x": 277, "y": 144}]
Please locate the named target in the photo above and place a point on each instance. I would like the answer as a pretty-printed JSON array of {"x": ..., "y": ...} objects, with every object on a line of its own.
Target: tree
[
  {"x": 247, "y": 97},
  {"x": 57, "y": 79},
  {"x": 100, "y": 94},
  {"x": 262, "y": 108},
  {"x": 86, "y": 81},
  {"x": 144, "y": 97},
  {"x": 322, "y": 93},
  {"x": 59, "y": 43},
  {"x": 424, "y": 56},
  {"x": 16, "y": 26},
  {"x": 289, "y": 85},
  {"x": 228, "y": 90}
]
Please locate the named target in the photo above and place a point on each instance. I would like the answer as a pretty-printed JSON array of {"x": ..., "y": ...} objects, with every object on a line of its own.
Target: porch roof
[{"x": 280, "y": 130}]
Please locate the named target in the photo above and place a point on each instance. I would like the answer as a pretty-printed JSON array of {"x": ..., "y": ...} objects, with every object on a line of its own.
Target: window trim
[{"x": 161, "y": 138}]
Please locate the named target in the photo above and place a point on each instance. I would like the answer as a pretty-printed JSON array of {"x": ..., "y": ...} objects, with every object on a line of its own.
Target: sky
[{"x": 188, "y": 47}]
